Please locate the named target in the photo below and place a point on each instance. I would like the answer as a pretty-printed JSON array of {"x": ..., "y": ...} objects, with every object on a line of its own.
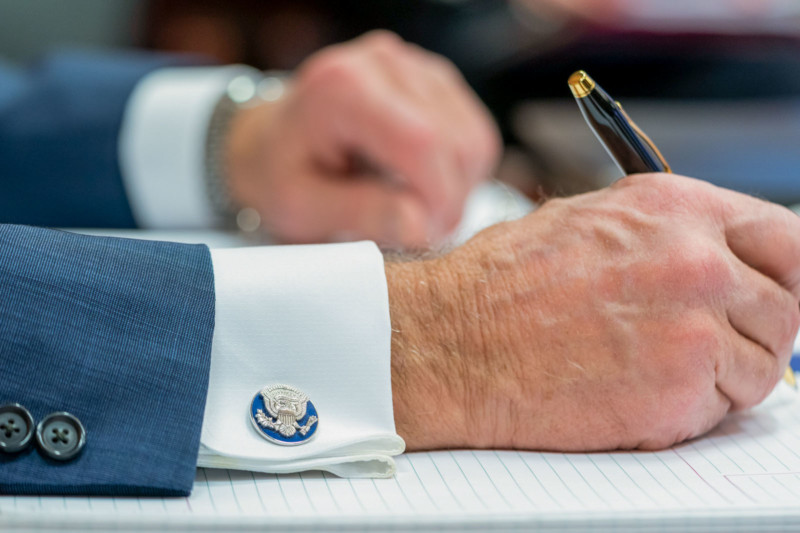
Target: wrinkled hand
[
  {"x": 376, "y": 139},
  {"x": 632, "y": 317}
]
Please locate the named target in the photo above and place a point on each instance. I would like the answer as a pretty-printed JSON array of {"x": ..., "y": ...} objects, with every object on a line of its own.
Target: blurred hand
[
  {"x": 616, "y": 12},
  {"x": 376, "y": 139},
  {"x": 601, "y": 11},
  {"x": 632, "y": 317}
]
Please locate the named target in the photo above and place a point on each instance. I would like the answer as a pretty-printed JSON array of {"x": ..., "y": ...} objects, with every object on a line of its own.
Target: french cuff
[
  {"x": 162, "y": 144},
  {"x": 315, "y": 318}
]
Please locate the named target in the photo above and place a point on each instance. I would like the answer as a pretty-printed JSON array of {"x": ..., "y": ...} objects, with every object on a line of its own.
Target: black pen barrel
[{"x": 613, "y": 129}]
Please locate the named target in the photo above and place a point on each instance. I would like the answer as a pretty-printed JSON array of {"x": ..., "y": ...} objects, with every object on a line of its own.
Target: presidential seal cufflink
[{"x": 283, "y": 415}]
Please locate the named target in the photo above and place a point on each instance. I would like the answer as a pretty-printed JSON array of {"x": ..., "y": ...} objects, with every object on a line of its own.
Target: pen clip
[{"x": 643, "y": 136}]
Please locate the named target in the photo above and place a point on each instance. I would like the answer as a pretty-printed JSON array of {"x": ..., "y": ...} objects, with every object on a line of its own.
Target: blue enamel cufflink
[{"x": 283, "y": 415}]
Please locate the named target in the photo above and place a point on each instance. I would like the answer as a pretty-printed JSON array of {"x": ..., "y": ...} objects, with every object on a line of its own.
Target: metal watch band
[{"x": 243, "y": 91}]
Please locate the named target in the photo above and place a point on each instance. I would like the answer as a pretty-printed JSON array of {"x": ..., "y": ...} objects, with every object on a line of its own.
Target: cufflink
[
  {"x": 283, "y": 415},
  {"x": 16, "y": 428},
  {"x": 60, "y": 436}
]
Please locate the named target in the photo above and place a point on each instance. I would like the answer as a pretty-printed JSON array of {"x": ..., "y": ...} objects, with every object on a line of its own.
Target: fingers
[
  {"x": 402, "y": 141},
  {"x": 467, "y": 126},
  {"x": 406, "y": 146},
  {"x": 764, "y": 236},
  {"x": 762, "y": 304},
  {"x": 410, "y": 114},
  {"x": 746, "y": 371},
  {"x": 759, "y": 309}
]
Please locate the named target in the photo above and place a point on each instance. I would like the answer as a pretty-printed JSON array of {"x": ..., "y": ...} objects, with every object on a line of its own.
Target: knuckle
[
  {"x": 699, "y": 342},
  {"x": 333, "y": 68},
  {"x": 382, "y": 40},
  {"x": 444, "y": 66},
  {"x": 701, "y": 270},
  {"x": 665, "y": 193}
]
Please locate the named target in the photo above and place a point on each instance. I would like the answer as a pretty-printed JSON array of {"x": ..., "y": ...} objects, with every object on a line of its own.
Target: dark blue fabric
[
  {"x": 59, "y": 128},
  {"x": 117, "y": 332}
]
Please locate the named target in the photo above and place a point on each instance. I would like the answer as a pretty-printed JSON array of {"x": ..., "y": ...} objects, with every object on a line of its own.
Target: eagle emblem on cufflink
[{"x": 284, "y": 415}]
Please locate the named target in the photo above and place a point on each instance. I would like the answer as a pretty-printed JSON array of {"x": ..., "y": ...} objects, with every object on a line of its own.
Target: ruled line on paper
[
  {"x": 777, "y": 438},
  {"x": 679, "y": 479},
  {"x": 445, "y": 482},
  {"x": 788, "y": 488},
  {"x": 522, "y": 491},
  {"x": 496, "y": 473},
  {"x": 542, "y": 485},
  {"x": 658, "y": 482},
  {"x": 604, "y": 472},
  {"x": 558, "y": 476},
  {"x": 432, "y": 500},
  {"x": 764, "y": 474},
  {"x": 748, "y": 462},
  {"x": 704, "y": 480},
  {"x": 639, "y": 488},
  {"x": 258, "y": 492}
]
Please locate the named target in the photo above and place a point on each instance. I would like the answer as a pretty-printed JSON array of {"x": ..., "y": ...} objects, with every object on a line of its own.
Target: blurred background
[{"x": 715, "y": 83}]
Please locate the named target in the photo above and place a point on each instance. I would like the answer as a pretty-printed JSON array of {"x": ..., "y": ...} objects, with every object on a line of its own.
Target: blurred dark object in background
[
  {"x": 478, "y": 35},
  {"x": 268, "y": 35},
  {"x": 508, "y": 52},
  {"x": 517, "y": 56}
]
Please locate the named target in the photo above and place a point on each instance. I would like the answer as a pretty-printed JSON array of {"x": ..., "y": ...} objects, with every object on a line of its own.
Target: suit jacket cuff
[{"x": 117, "y": 332}]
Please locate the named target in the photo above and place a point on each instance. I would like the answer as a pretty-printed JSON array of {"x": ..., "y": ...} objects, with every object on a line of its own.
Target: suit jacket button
[
  {"x": 60, "y": 436},
  {"x": 16, "y": 428}
]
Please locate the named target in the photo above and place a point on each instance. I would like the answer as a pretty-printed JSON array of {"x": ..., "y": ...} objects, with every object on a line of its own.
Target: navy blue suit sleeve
[
  {"x": 118, "y": 333},
  {"x": 59, "y": 129}
]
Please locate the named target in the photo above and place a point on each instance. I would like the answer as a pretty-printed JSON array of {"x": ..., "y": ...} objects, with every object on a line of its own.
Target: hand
[
  {"x": 632, "y": 317},
  {"x": 600, "y": 11},
  {"x": 619, "y": 12},
  {"x": 376, "y": 139}
]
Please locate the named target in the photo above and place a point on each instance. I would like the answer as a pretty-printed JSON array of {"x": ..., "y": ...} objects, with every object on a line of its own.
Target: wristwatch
[{"x": 242, "y": 92}]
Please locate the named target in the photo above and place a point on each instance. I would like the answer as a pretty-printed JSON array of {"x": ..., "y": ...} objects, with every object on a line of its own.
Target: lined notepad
[{"x": 745, "y": 475}]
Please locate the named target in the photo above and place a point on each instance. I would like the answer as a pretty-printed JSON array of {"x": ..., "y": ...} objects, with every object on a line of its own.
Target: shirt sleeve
[
  {"x": 162, "y": 144},
  {"x": 316, "y": 318}
]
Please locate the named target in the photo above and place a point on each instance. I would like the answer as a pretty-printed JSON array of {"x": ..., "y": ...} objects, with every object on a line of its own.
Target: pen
[{"x": 629, "y": 147}]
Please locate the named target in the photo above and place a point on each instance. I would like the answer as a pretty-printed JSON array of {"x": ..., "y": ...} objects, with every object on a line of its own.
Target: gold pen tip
[{"x": 581, "y": 84}]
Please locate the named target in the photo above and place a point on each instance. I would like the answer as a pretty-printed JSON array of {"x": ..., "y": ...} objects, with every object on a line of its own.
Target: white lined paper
[{"x": 750, "y": 463}]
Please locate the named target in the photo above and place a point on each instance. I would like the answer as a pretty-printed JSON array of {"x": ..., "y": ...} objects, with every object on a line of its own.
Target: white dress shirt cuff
[
  {"x": 162, "y": 144},
  {"x": 316, "y": 318}
]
